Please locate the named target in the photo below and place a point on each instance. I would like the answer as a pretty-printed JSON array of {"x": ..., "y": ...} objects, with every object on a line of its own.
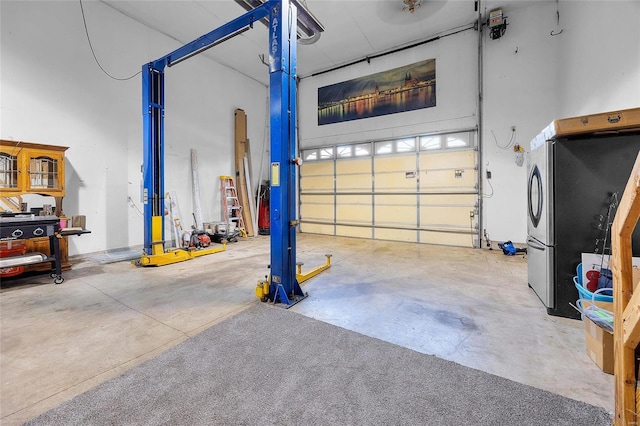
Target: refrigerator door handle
[
  {"x": 535, "y": 182},
  {"x": 535, "y": 244}
]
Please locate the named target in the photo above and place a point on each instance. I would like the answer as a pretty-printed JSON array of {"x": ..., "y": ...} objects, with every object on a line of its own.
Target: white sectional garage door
[{"x": 419, "y": 189}]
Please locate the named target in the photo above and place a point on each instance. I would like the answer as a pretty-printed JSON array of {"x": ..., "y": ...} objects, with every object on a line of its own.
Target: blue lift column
[
  {"x": 283, "y": 17},
  {"x": 284, "y": 287},
  {"x": 153, "y": 158},
  {"x": 153, "y": 138}
]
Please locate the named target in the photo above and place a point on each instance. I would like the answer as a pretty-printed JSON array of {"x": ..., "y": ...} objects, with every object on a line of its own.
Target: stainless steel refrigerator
[{"x": 570, "y": 184}]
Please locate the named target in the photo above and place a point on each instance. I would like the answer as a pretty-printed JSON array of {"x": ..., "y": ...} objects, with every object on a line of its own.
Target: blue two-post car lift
[{"x": 283, "y": 283}]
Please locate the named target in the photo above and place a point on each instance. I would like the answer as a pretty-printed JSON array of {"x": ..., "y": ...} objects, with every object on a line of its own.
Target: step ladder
[
  {"x": 171, "y": 201},
  {"x": 231, "y": 208}
]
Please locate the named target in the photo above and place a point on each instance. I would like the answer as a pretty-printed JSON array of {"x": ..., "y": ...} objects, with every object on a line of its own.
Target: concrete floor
[{"x": 468, "y": 306}]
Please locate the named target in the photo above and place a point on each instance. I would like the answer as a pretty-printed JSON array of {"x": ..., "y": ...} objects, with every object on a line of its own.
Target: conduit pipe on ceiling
[{"x": 399, "y": 49}]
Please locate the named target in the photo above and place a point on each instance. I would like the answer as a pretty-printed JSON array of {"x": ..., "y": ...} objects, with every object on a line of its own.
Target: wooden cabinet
[{"x": 32, "y": 168}]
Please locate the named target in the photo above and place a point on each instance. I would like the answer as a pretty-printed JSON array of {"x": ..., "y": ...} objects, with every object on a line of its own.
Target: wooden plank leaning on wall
[{"x": 242, "y": 149}]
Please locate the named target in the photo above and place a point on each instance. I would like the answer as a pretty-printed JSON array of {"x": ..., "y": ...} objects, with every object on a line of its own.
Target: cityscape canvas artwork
[{"x": 400, "y": 89}]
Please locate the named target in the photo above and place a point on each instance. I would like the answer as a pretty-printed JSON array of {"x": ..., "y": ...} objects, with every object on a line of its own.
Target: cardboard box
[
  {"x": 599, "y": 342},
  {"x": 79, "y": 222}
]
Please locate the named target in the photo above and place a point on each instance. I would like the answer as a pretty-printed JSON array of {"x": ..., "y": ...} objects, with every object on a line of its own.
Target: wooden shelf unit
[
  {"x": 33, "y": 168},
  {"x": 626, "y": 303}
]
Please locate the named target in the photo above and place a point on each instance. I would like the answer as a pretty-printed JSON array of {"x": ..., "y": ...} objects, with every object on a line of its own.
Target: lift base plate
[{"x": 175, "y": 256}]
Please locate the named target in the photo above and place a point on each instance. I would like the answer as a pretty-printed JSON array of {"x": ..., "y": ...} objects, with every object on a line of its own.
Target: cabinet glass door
[
  {"x": 8, "y": 171},
  {"x": 43, "y": 172}
]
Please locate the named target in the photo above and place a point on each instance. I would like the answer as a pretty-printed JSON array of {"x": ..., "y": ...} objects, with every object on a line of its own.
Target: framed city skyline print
[{"x": 397, "y": 90}]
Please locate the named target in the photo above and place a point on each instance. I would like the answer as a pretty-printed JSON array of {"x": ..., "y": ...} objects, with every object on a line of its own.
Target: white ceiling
[{"x": 354, "y": 29}]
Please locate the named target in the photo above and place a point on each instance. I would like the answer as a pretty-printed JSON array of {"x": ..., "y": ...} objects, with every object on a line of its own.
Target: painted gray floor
[{"x": 469, "y": 306}]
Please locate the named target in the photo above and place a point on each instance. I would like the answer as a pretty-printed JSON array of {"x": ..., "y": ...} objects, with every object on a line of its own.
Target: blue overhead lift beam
[{"x": 283, "y": 285}]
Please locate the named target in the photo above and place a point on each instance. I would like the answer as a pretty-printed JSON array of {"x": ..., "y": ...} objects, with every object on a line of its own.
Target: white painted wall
[
  {"x": 600, "y": 56},
  {"x": 53, "y": 92},
  {"x": 530, "y": 79},
  {"x": 456, "y": 95},
  {"x": 592, "y": 66},
  {"x": 520, "y": 89}
]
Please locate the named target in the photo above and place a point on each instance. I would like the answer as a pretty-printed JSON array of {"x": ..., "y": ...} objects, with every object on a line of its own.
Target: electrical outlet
[
  {"x": 488, "y": 174},
  {"x": 513, "y": 128}
]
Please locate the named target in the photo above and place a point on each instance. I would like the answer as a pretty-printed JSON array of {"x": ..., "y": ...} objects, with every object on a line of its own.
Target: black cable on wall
[{"x": 94, "y": 53}]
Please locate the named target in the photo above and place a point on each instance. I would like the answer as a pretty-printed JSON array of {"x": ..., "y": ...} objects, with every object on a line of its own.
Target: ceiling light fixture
[{"x": 411, "y": 5}]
